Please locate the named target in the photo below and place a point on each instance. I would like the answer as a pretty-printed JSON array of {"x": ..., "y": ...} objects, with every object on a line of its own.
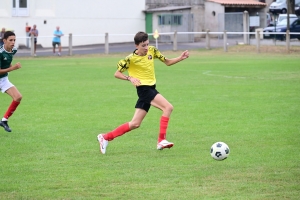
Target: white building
[{"x": 87, "y": 20}]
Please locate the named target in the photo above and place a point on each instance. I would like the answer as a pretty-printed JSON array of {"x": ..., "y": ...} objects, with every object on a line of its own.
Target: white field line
[{"x": 210, "y": 74}]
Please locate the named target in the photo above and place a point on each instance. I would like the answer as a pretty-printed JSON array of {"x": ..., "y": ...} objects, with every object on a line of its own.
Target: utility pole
[
  {"x": 292, "y": 6},
  {"x": 288, "y": 14}
]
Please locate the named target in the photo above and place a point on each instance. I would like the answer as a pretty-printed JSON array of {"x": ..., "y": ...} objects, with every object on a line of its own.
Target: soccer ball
[{"x": 219, "y": 151}]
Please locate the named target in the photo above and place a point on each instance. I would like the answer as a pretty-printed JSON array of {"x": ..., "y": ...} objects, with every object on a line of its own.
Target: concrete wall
[
  {"x": 198, "y": 12},
  {"x": 211, "y": 15},
  {"x": 186, "y": 26},
  {"x": 164, "y": 3},
  {"x": 169, "y": 28},
  {"x": 88, "y": 17}
]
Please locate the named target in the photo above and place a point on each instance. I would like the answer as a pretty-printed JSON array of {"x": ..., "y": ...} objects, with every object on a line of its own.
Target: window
[
  {"x": 23, "y": 3},
  {"x": 169, "y": 19},
  {"x": 20, "y": 8}
]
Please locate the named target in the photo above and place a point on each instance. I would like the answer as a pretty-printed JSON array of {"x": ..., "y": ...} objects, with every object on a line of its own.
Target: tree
[
  {"x": 292, "y": 6},
  {"x": 290, "y": 9}
]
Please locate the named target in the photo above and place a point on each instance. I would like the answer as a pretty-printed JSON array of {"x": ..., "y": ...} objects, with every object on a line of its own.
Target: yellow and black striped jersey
[{"x": 141, "y": 67}]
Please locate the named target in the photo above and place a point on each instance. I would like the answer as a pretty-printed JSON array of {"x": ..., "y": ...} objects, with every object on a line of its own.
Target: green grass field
[{"x": 249, "y": 101}]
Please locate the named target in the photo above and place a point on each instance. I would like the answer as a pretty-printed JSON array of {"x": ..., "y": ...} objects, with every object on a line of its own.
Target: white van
[
  {"x": 284, "y": 16},
  {"x": 279, "y": 6}
]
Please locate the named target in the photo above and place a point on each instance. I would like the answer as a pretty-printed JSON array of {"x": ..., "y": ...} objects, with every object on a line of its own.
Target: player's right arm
[
  {"x": 11, "y": 68},
  {"x": 123, "y": 65},
  {"x": 134, "y": 81}
]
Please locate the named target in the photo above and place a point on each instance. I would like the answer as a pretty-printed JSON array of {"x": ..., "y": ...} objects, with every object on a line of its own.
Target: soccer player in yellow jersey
[{"x": 140, "y": 67}]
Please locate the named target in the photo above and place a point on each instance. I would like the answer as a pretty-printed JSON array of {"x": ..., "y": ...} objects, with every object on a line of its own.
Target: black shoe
[{"x": 5, "y": 126}]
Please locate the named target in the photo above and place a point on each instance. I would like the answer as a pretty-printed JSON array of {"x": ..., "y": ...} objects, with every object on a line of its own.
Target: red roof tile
[{"x": 239, "y": 2}]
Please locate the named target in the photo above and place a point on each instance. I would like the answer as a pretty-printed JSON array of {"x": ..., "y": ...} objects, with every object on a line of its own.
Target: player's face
[
  {"x": 9, "y": 43},
  {"x": 142, "y": 48}
]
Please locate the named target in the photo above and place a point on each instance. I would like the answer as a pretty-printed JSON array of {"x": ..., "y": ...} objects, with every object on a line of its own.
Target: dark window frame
[{"x": 170, "y": 19}]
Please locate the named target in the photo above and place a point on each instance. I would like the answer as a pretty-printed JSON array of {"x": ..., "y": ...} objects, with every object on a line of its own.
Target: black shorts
[
  {"x": 55, "y": 43},
  {"x": 146, "y": 95}
]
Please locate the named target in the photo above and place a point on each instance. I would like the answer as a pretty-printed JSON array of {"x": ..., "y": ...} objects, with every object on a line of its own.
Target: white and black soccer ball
[{"x": 219, "y": 151}]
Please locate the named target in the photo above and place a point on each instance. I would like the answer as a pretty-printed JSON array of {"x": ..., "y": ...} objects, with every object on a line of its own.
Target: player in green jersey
[
  {"x": 140, "y": 67},
  {"x": 7, "y": 51}
]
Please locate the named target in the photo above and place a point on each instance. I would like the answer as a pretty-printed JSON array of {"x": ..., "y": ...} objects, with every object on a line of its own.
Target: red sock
[
  {"x": 11, "y": 109},
  {"x": 124, "y": 128},
  {"x": 163, "y": 128}
]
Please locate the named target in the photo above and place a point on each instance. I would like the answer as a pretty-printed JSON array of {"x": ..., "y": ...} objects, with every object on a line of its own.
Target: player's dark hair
[
  {"x": 8, "y": 33},
  {"x": 140, "y": 37}
]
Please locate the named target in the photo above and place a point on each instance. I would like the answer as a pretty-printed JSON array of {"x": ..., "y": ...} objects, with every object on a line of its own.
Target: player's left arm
[{"x": 171, "y": 61}]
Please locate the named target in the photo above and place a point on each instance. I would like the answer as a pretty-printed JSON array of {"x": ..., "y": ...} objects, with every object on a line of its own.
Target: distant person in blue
[{"x": 56, "y": 40}]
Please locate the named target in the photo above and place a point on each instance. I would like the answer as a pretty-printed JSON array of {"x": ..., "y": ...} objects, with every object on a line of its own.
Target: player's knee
[
  {"x": 169, "y": 108},
  {"x": 134, "y": 125},
  {"x": 18, "y": 98}
]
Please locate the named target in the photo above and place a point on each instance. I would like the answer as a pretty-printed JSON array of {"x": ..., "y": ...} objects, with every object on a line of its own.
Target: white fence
[{"x": 208, "y": 36}]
